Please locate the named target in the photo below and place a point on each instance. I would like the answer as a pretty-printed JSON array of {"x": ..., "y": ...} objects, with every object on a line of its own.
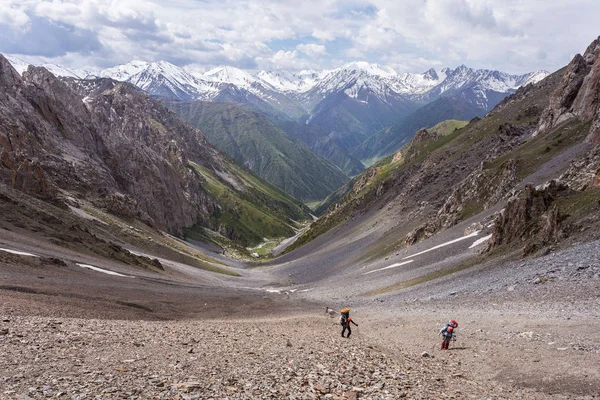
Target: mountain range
[
  {"x": 309, "y": 94},
  {"x": 350, "y": 116},
  {"x": 529, "y": 171}
]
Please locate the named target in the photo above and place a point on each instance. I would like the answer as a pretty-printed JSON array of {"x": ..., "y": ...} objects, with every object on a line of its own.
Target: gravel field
[
  {"x": 299, "y": 357},
  {"x": 528, "y": 329}
]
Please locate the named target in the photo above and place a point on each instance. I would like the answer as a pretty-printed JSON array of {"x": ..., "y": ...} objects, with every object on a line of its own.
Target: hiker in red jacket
[
  {"x": 447, "y": 332},
  {"x": 345, "y": 321}
]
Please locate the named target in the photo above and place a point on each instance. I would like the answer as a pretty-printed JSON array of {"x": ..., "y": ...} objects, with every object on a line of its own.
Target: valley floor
[{"x": 71, "y": 332}]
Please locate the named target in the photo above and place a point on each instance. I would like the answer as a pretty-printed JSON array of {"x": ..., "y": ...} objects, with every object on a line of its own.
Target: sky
[{"x": 408, "y": 35}]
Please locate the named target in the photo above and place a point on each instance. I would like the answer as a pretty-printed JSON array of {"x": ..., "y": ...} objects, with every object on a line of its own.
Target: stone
[{"x": 350, "y": 395}]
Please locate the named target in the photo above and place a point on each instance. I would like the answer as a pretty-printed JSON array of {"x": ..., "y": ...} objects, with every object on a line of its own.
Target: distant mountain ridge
[
  {"x": 349, "y": 104},
  {"x": 350, "y": 78}
]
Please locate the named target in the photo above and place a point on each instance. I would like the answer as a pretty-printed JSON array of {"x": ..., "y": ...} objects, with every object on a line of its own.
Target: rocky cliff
[
  {"x": 530, "y": 219},
  {"x": 577, "y": 95}
]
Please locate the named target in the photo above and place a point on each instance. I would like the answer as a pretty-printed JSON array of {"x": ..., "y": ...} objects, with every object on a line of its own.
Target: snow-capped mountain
[
  {"x": 17, "y": 63},
  {"x": 408, "y": 83},
  {"x": 354, "y": 76},
  {"x": 231, "y": 75},
  {"x": 167, "y": 80},
  {"x": 289, "y": 82},
  {"x": 482, "y": 87},
  {"x": 349, "y": 103},
  {"x": 362, "y": 81},
  {"x": 125, "y": 71}
]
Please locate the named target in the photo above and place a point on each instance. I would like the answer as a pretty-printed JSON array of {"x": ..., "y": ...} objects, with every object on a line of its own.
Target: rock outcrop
[
  {"x": 530, "y": 219},
  {"x": 480, "y": 189},
  {"x": 416, "y": 146},
  {"x": 584, "y": 173},
  {"x": 578, "y": 94}
]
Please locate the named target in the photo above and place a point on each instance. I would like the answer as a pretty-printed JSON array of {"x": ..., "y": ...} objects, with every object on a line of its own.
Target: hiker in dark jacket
[{"x": 345, "y": 321}]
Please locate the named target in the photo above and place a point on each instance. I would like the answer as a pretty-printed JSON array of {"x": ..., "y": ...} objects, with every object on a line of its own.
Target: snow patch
[
  {"x": 229, "y": 179},
  {"x": 389, "y": 267},
  {"x": 444, "y": 244},
  {"x": 85, "y": 215},
  {"x": 104, "y": 271},
  {"x": 20, "y": 253},
  {"x": 480, "y": 241}
]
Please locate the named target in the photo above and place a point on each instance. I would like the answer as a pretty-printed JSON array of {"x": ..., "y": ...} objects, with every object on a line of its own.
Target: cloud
[
  {"x": 511, "y": 35},
  {"x": 312, "y": 50},
  {"x": 286, "y": 60},
  {"x": 323, "y": 34},
  {"x": 44, "y": 38},
  {"x": 13, "y": 17}
]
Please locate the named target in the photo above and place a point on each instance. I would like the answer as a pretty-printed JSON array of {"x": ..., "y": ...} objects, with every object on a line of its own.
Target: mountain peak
[
  {"x": 462, "y": 68},
  {"x": 431, "y": 74},
  {"x": 230, "y": 75},
  {"x": 369, "y": 68}
]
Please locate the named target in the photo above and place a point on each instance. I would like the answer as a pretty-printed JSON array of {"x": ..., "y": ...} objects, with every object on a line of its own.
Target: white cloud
[
  {"x": 286, "y": 60},
  {"x": 312, "y": 50},
  {"x": 13, "y": 16},
  {"x": 481, "y": 33},
  {"x": 512, "y": 35},
  {"x": 323, "y": 34}
]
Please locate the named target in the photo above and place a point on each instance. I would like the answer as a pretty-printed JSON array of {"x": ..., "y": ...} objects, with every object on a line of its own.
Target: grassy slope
[
  {"x": 250, "y": 213},
  {"x": 448, "y": 126},
  {"x": 444, "y": 128},
  {"x": 318, "y": 140},
  {"x": 256, "y": 142}
]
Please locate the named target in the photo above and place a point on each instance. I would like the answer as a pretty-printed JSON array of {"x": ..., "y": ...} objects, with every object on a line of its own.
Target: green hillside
[
  {"x": 320, "y": 142},
  {"x": 254, "y": 141},
  {"x": 249, "y": 208},
  {"x": 448, "y": 126}
]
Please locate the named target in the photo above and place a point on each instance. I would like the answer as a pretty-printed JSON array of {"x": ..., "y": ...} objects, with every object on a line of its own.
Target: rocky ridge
[{"x": 577, "y": 93}]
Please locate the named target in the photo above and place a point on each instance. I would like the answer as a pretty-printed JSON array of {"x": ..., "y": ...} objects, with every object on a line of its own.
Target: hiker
[
  {"x": 448, "y": 332},
  {"x": 345, "y": 321}
]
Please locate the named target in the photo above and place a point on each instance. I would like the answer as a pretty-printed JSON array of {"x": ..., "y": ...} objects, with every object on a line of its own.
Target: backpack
[
  {"x": 344, "y": 315},
  {"x": 445, "y": 332}
]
